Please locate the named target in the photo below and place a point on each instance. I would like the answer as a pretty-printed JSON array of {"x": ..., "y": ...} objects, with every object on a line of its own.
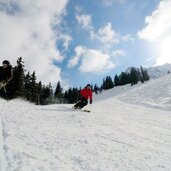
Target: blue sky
[{"x": 79, "y": 42}]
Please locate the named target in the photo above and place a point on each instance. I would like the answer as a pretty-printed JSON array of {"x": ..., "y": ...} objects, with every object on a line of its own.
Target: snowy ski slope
[{"x": 129, "y": 129}]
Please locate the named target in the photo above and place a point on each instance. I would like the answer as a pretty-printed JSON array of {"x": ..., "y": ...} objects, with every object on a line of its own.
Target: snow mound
[{"x": 154, "y": 93}]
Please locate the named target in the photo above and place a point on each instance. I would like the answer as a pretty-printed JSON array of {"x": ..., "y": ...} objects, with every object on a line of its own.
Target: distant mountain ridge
[
  {"x": 156, "y": 71},
  {"x": 159, "y": 71}
]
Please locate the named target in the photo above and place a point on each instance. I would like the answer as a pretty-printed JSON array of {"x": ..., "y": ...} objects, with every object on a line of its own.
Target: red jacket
[{"x": 87, "y": 93}]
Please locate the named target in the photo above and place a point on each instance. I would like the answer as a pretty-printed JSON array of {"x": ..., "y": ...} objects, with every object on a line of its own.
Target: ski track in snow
[
  {"x": 3, "y": 162},
  {"x": 124, "y": 132}
]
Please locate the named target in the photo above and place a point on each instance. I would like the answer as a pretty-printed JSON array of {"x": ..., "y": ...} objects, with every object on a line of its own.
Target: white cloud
[
  {"x": 84, "y": 20},
  {"x": 78, "y": 9},
  {"x": 94, "y": 61},
  {"x": 107, "y": 2},
  {"x": 118, "y": 53},
  {"x": 158, "y": 30},
  {"x": 127, "y": 37},
  {"x": 158, "y": 24},
  {"x": 91, "y": 60},
  {"x": 106, "y": 35},
  {"x": 26, "y": 30},
  {"x": 150, "y": 59},
  {"x": 79, "y": 50},
  {"x": 165, "y": 56},
  {"x": 110, "y": 2},
  {"x": 66, "y": 39}
]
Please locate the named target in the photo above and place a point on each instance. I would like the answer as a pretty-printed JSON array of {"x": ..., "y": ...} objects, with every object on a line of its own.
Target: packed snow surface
[{"x": 128, "y": 129}]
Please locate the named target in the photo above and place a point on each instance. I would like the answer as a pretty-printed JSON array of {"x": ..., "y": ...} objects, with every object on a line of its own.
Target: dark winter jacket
[
  {"x": 86, "y": 93},
  {"x": 5, "y": 73}
]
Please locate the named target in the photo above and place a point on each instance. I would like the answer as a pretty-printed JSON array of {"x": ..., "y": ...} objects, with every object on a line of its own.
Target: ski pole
[
  {"x": 6, "y": 93},
  {"x": 5, "y": 90}
]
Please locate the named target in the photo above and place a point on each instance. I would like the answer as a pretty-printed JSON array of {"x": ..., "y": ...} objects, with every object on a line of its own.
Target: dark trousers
[
  {"x": 7, "y": 91},
  {"x": 81, "y": 103}
]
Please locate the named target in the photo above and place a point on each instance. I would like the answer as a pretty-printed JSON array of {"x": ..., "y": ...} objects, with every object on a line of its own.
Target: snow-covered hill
[
  {"x": 159, "y": 71},
  {"x": 129, "y": 129},
  {"x": 154, "y": 93},
  {"x": 156, "y": 71}
]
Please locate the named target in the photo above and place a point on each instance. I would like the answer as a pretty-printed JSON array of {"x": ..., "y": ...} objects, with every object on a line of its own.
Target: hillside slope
[
  {"x": 154, "y": 93},
  {"x": 159, "y": 71}
]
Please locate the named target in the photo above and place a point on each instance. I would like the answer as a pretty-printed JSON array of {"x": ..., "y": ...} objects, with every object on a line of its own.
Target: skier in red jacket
[{"x": 85, "y": 94}]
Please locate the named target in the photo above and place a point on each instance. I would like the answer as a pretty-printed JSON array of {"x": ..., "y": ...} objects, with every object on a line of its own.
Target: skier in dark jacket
[
  {"x": 6, "y": 74},
  {"x": 85, "y": 94}
]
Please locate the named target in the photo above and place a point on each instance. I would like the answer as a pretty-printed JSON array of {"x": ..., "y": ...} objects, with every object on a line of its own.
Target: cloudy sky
[{"x": 79, "y": 42}]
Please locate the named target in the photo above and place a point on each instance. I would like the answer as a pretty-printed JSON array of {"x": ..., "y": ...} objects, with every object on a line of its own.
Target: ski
[{"x": 85, "y": 110}]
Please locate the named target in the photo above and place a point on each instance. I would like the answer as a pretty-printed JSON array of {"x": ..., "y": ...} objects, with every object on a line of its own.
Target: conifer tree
[
  {"x": 144, "y": 74},
  {"x": 58, "y": 91},
  {"x": 40, "y": 100},
  {"x": 19, "y": 78},
  {"x": 72, "y": 95},
  {"x": 33, "y": 88},
  {"x": 51, "y": 90},
  {"x": 46, "y": 94},
  {"x": 104, "y": 85},
  {"x": 27, "y": 86},
  {"x": 50, "y": 97},
  {"x": 116, "y": 80},
  {"x": 75, "y": 95},
  {"x": 123, "y": 78},
  {"x": 108, "y": 83},
  {"x": 66, "y": 97},
  {"x": 69, "y": 95},
  {"x": 133, "y": 76}
]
